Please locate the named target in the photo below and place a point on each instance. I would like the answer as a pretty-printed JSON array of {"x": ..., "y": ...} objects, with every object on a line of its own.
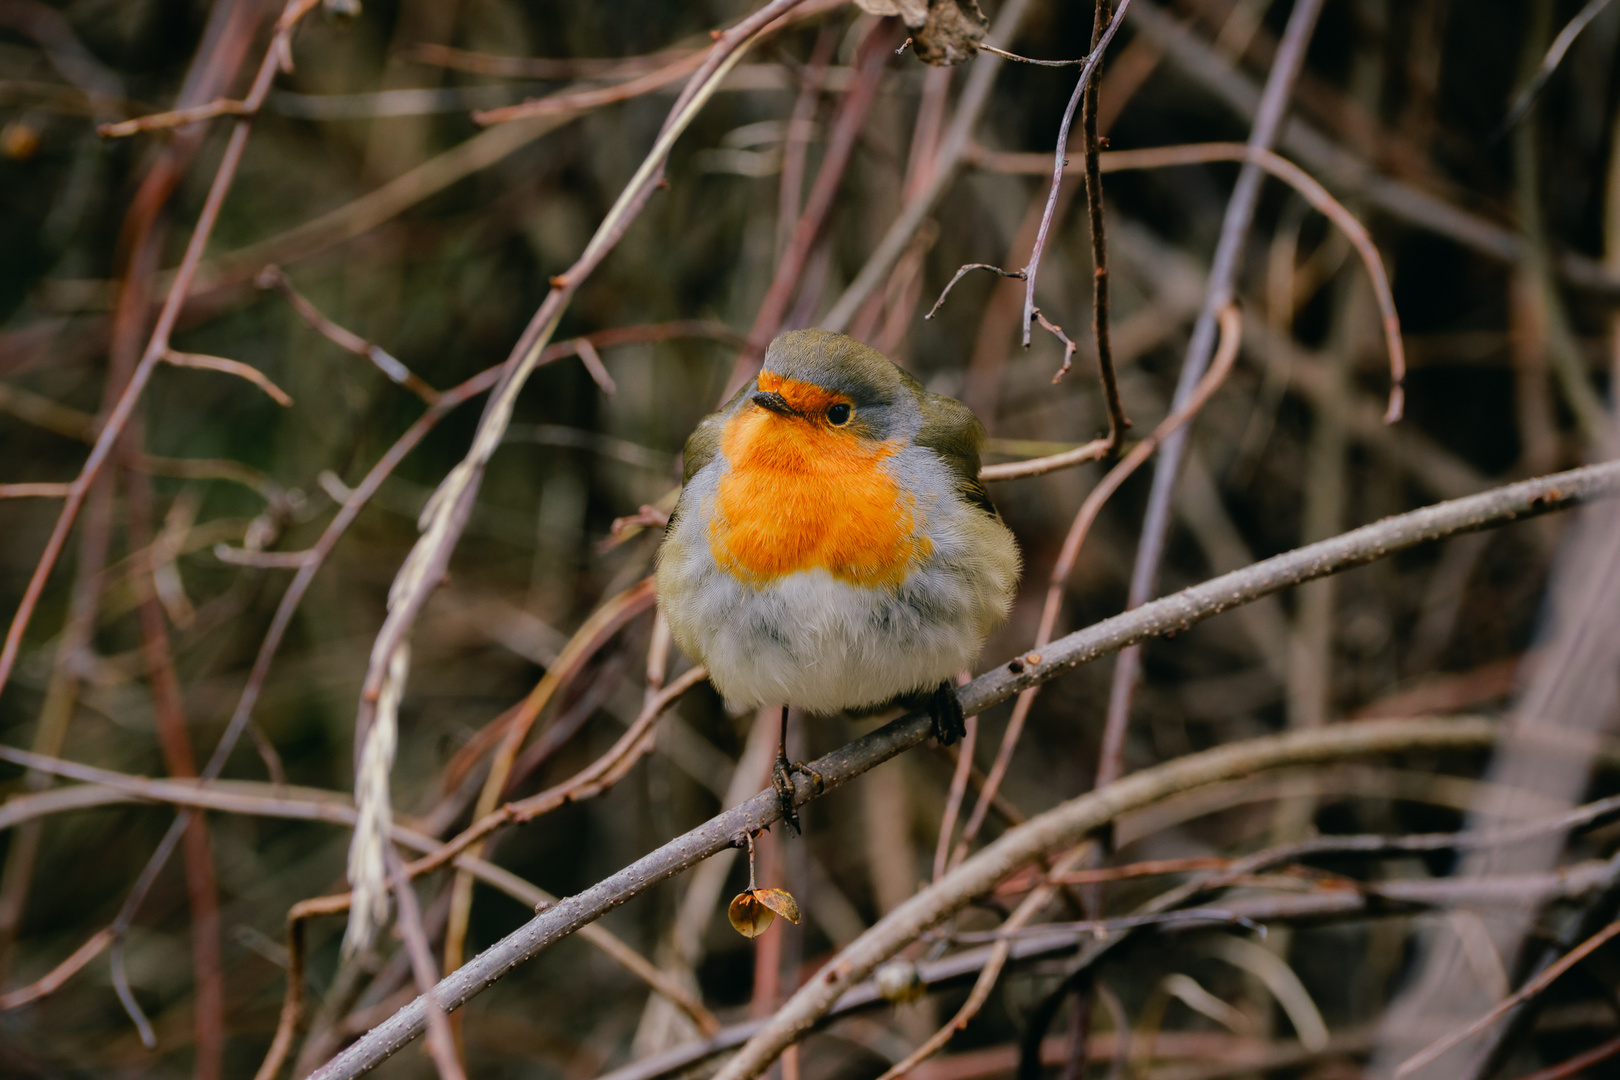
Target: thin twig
[
  {"x": 1005, "y": 55},
  {"x": 52, "y": 980},
  {"x": 1549, "y": 63},
  {"x": 577, "y": 100},
  {"x": 174, "y": 739},
  {"x": 267, "y": 560},
  {"x": 178, "y": 118},
  {"x": 594, "y": 366},
  {"x": 1577, "y": 1065},
  {"x": 272, "y": 277},
  {"x": 953, "y": 800},
  {"x": 601, "y": 627},
  {"x": 230, "y": 367},
  {"x": 590, "y": 781},
  {"x": 1069, "y": 347},
  {"x": 796, "y": 140},
  {"x": 537, "y": 67},
  {"x": 1095, "y": 450},
  {"x": 963, "y": 272},
  {"x": 1117, "y": 421},
  {"x": 35, "y": 491}
]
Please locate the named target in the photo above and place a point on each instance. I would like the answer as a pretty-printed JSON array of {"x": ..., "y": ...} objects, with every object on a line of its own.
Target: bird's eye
[{"x": 838, "y": 415}]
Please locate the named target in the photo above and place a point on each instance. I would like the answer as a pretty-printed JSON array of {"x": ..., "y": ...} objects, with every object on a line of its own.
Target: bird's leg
[
  {"x": 782, "y": 778},
  {"x": 945, "y": 710}
]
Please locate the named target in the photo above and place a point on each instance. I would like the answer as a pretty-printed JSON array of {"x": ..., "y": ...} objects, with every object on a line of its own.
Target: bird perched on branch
[{"x": 833, "y": 547}]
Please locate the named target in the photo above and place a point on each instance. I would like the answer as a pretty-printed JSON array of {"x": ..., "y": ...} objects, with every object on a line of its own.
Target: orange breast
[{"x": 801, "y": 495}]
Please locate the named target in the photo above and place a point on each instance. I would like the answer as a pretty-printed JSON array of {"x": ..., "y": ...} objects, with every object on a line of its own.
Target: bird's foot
[
  {"x": 782, "y": 780},
  {"x": 945, "y": 710}
]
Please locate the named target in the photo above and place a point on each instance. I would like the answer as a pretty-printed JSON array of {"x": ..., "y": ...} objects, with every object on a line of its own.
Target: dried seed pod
[
  {"x": 943, "y": 32},
  {"x": 779, "y": 901},
  {"x": 752, "y": 912}
]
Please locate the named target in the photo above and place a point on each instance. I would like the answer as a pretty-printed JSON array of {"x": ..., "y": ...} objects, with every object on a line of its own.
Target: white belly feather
[{"x": 811, "y": 640}]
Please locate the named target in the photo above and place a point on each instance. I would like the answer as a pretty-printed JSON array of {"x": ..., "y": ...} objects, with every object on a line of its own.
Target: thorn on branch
[{"x": 960, "y": 274}]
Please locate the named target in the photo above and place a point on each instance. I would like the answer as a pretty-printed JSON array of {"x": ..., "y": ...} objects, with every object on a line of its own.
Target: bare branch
[
  {"x": 963, "y": 272},
  {"x": 1069, "y": 347},
  {"x": 1095, "y": 450},
  {"x": 272, "y": 277},
  {"x": 1524, "y": 993},
  {"x": 177, "y": 118},
  {"x": 35, "y": 491},
  {"x": 593, "y": 364},
  {"x": 230, "y": 367},
  {"x": 1032, "y": 268},
  {"x": 1549, "y": 63}
]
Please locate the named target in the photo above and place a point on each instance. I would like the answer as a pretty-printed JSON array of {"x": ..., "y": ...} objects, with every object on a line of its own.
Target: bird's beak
[{"x": 775, "y": 402}]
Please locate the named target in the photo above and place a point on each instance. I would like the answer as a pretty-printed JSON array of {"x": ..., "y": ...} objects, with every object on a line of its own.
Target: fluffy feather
[{"x": 835, "y": 566}]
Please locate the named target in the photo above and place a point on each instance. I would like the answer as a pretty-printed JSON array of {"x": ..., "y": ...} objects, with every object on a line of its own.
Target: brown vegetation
[{"x": 346, "y": 359}]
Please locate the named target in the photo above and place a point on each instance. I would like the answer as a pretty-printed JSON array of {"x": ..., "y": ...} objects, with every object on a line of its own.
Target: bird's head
[{"x": 836, "y": 388}]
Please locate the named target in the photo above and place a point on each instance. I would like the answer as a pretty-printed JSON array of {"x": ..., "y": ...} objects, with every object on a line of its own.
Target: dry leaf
[
  {"x": 951, "y": 33},
  {"x": 748, "y": 916},
  {"x": 779, "y": 901},
  {"x": 752, "y": 912},
  {"x": 943, "y": 32}
]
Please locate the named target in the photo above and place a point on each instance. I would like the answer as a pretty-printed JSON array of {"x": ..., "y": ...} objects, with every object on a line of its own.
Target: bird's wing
[
  {"x": 704, "y": 442},
  {"x": 951, "y": 431}
]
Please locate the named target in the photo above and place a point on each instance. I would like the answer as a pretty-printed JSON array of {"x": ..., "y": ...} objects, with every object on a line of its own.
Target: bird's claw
[
  {"x": 782, "y": 780},
  {"x": 945, "y": 710}
]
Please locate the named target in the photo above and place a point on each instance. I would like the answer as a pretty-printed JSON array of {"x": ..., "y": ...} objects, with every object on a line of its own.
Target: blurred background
[{"x": 398, "y": 219}]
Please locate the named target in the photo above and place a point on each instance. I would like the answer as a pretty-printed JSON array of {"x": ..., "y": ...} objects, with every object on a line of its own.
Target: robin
[{"x": 833, "y": 547}]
